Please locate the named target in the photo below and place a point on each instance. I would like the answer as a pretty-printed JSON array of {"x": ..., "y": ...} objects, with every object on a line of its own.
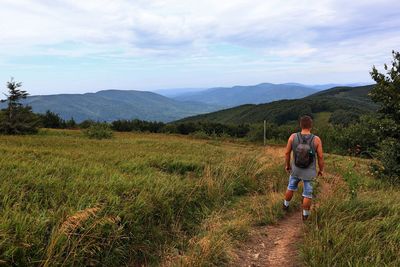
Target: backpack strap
[
  {"x": 293, "y": 144},
  {"x": 311, "y": 139},
  {"x": 299, "y": 138},
  {"x": 312, "y": 143}
]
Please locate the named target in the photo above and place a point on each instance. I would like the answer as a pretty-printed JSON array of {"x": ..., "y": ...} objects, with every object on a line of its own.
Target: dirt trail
[
  {"x": 276, "y": 245},
  {"x": 273, "y": 245}
]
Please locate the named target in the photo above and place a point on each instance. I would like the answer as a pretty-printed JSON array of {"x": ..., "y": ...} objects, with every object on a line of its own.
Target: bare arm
[
  {"x": 320, "y": 155},
  {"x": 288, "y": 152}
]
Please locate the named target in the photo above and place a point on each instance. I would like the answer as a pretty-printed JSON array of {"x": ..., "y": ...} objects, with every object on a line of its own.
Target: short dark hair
[{"x": 306, "y": 122}]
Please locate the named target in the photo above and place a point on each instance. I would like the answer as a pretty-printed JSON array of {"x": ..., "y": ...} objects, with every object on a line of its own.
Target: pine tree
[
  {"x": 16, "y": 118},
  {"x": 70, "y": 124},
  {"x": 52, "y": 120}
]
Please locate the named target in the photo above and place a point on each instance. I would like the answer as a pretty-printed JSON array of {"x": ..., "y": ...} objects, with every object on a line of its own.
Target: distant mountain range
[
  {"x": 239, "y": 95},
  {"x": 353, "y": 99},
  {"x": 328, "y": 85},
  {"x": 185, "y": 92},
  {"x": 177, "y": 91},
  {"x": 109, "y": 105}
]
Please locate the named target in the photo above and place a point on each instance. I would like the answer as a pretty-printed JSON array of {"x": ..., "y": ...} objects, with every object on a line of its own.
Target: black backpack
[{"x": 304, "y": 154}]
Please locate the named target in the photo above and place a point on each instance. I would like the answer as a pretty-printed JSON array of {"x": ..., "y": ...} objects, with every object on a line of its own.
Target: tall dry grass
[
  {"x": 67, "y": 200},
  {"x": 357, "y": 224}
]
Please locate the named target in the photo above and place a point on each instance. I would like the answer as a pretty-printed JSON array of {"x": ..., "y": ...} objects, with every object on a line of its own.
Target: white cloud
[
  {"x": 167, "y": 24},
  {"x": 324, "y": 34}
]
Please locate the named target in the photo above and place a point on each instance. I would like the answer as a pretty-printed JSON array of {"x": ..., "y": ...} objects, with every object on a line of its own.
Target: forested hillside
[
  {"x": 353, "y": 100},
  {"x": 255, "y": 94},
  {"x": 109, "y": 105}
]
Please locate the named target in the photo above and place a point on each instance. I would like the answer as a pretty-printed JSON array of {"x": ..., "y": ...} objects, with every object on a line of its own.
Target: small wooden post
[{"x": 265, "y": 132}]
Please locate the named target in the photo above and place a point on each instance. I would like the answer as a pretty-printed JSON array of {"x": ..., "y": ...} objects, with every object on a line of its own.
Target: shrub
[
  {"x": 99, "y": 131},
  {"x": 361, "y": 138},
  {"x": 389, "y": 155},
  {"x": 86, "y": 124},
  {"x": 387, "y": 94},
  {"x": 71, "y": 124},
  {"x": 51, "y": 120},
  {"x": 256, "y": 133},
  {"x": 199, "y": 135},
  {"x": 187, "y": 128},
  {"x": 344, "y": 117},
  {"x": 24, "y": 121},
  {"x": 137, "y": 125}
]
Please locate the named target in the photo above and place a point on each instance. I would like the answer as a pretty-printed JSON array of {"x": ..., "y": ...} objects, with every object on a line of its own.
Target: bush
[
  {"x": 387, "y": 94},
  {"x": 389, "y": 156},
  {"x": 51, "y": 120},
  {"x": 273, "y": 132},
  {"x": 344, "y": 117},
  {"x": 187, "y": 128},
  {"x": 23, "y": 121},
  {"x": 170, "y": 128},
  {"x": 361, "y": 138},
  {"x": 199, "y": 135},
  {"x": 99, "y": 131},
  {"x": 86, "y": 124},
  {"x": 137, "y": 125},
  {"x": 256, "y": 133}
]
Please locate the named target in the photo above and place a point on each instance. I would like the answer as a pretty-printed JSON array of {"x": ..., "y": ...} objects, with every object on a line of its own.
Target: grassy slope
[
  {"x": 228, "y": 225},
  {"x": 135, "y": 198},
  {"x": 358, "y": 223},
  {"x": 154, "y": 199},
  {"x": 347, "y": 98}
]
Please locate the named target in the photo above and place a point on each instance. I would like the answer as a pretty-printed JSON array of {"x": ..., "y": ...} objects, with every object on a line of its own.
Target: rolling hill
[
  {"x": 175, "y": 92},
  {"x": 239, "y": 95},
  {"x": 109, "y": 105},
  {"x": 339, "y": 98}
]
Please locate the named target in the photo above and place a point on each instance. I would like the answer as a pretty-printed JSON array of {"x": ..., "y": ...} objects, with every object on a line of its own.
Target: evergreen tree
[
  {"x": 52, "y": 120},
  {"x": 16, "y": 118},
  {"x": 71, "y": 124}
]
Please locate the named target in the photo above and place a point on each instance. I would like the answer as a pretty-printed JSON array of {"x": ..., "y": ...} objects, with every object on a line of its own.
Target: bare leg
[
  {"x": 306, "y": 203},
  {"x": 288, "y": 195},
  {"x": 306, "y": 208}
]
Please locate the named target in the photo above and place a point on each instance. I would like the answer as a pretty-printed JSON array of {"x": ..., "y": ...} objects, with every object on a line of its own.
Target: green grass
[
  {"x": 322, "y": 119},
  {"x": 169, "y": 200},
  {"x": 358, "y": 225},
  {"x": 229, "y": 224},
  {"x": 134, "y": 199}
]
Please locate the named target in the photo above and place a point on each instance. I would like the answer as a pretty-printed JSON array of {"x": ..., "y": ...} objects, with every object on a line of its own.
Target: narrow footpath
[
  {"x": 278, "y": 244},
  {"x": 272, "y": 245}
]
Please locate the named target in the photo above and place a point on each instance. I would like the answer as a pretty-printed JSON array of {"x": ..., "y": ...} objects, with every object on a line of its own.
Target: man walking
[{"x": 306, "y": 148}]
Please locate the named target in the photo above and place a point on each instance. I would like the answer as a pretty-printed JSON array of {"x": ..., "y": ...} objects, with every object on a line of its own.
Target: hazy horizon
[
  {"x": 177, "y": 91},
  {"x": 86, "y": 46}
]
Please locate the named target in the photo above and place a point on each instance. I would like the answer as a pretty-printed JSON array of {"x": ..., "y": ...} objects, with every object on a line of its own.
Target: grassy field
[
  {"x": 169, "y": 200},
  {"x": 357, "y": 222},
  {"x": 137, "y": 198}
]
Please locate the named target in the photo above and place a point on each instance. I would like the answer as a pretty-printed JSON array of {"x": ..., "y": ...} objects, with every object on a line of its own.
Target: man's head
[{"x": 306, "y": 122}]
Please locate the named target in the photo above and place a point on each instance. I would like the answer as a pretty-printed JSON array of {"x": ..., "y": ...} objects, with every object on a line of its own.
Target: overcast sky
[{"x": 75, "y": 46}]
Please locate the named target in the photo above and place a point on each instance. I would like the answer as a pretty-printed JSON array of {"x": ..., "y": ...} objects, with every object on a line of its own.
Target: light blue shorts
[{"x": 307, "y": 186}]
